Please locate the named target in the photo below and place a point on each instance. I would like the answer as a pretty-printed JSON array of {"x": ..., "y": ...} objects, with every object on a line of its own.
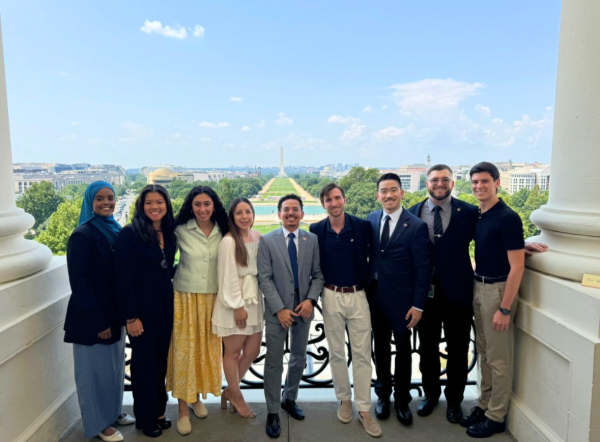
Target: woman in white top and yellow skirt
[{"x": 238, "y": 311}]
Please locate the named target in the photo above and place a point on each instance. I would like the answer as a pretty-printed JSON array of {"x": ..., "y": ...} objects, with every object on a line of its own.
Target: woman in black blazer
[
  {"x": 93, "y": 324},
  {"x": 145, "y": 253}
]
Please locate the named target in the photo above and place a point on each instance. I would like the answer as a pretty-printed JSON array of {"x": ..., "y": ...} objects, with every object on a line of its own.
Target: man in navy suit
[
  {"x": 451, "y": 224},
  {"x": 398, "y": 287}
]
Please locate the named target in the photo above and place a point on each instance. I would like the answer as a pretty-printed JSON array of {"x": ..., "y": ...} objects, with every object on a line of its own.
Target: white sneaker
[
  {"x": 115, "y": 437},
  {"x": 125, "y": 419}
]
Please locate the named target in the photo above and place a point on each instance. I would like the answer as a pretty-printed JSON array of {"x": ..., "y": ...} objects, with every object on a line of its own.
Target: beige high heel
[
  {"x": 232, "y": 409},
  {"x": 224, "y": 398}
]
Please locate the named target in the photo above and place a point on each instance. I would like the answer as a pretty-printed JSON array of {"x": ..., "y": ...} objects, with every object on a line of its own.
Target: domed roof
[{"x": 163, "y": 172}]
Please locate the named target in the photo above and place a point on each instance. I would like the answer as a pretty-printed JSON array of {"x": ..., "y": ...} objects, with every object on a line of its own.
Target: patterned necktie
[
  {"x": 438, "y": 227},
  {"x": 293, "y": 252},
  {"x": 385, "y": 234}
]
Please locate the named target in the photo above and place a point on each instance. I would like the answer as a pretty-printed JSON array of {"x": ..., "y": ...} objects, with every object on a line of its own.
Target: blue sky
[{"x": 214, "y": 84}]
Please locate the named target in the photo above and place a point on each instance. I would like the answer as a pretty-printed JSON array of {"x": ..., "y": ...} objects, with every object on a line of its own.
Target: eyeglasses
[
  {"x": 164, "y": 263},
  {"x": 437, "y": 180}
]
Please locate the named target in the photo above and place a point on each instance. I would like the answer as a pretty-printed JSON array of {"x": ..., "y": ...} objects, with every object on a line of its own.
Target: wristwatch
[
  {"x": 313, "y": 302},
  {"x": 504, "y": 311}
]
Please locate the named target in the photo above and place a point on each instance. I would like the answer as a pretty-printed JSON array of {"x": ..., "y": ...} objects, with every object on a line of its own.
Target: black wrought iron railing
[{"x": 317, "y": 373}]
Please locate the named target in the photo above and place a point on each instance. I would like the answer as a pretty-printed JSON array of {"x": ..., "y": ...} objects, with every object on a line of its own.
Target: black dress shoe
[
  {"x": 382, "y": 409},
  {"x": 293, "y": 409},
  {"x": 152, "y": 432},
  {"x": 476, "y": 415},
  {"x": 426, "y": 406},
  {"x": 404, "y": 414},
  {"x": 454, "y": 412},
  {"x": 273, "y": 428},
  {"x": 485, "y": 428},
  {"x": 164, "y": 423}
]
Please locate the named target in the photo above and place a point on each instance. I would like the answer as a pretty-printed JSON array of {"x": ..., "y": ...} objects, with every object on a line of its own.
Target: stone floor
[{"x": 320, "y": 424}]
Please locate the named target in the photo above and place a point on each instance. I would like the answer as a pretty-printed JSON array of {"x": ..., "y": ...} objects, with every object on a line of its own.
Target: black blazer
[
  {"x": 362, "y": 239},
  {"x": 403, "y": 272},
  {"x": 450, "y": 254},
  {"x": 144, "y": 288},
  {"x": 93, "y": 306}
]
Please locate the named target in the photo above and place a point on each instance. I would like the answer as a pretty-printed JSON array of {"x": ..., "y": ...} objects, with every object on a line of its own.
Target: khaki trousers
[
  {"x": 351, "y": 309},
  {"x": 495, "y": 349}
]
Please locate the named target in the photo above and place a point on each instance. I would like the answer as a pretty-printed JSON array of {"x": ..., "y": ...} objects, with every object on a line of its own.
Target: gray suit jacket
[{"x": 275, "y": 275}]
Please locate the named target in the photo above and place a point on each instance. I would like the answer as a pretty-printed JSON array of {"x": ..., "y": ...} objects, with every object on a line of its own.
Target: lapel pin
[
  {"x": 458, "y": 209},
  {"x": 352, "y": 240},
  {"x": 304, "y": 238},
  {"x": 405, "y": 225}
]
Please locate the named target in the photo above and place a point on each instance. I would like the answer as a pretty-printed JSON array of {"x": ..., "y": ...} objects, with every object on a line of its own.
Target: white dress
[{"x": 238, "y": 287}]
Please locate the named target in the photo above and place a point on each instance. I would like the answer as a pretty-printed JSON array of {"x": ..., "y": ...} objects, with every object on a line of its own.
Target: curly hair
[
  {"x": 219, "y": 216},
  {"x": 142, "y": 225}
]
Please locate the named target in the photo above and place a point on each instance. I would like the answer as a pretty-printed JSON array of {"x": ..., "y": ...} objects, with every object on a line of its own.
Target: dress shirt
[
  {"x": 197, "y": 269},
  {"x": 394, "y": 217},
  {"x": 287, "y": 239},
  {"x": 428, "y": 215}
]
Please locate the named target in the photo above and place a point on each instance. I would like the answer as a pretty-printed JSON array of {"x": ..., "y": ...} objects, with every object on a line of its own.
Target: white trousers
[{"x": 351, "y": 309}]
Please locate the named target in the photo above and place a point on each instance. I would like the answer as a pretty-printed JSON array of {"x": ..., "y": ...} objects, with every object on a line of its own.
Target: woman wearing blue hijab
[{"x": 93, "y": 322}]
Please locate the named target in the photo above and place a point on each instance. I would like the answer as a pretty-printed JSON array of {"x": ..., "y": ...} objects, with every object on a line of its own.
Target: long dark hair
[
  {"x": 142, "y": 225},
  {"x": 219, "y": 216},
  {"x": 241, "y": 253}
]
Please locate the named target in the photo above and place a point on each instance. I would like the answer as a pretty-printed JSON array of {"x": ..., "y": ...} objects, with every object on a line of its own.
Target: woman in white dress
[{"x": 238, "y": 312}]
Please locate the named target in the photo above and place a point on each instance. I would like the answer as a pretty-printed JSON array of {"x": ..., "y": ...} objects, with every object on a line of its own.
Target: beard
[{"x": 440, "y": 198}]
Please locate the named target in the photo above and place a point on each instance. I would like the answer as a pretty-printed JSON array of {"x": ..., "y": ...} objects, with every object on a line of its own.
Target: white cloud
[
  {"x": 483, "y": 110},
  {"x": 213, "y": 125},
  {"x": 384, "y": 107},
  {"x": 95, "y": 141},
  {"x": 245, "y": 128},
  {"x": 72, "y": 137},
  {"x": 497, "y": 121},
  {"x": 343, "y": 120},
  {"x": 206, "y": 140},
  {"x": 137, "y": 130},
  {"x": 126, "y": 140},
  {"x": 176, "y": 135},
  {"x": 432, "y": 95},
  {"x": 198, "y": 31},
  {"x": 156, "y": 27},
  {"x": 368, "y": 109},
  {"x": 283, "y": 120},
  {"x": 390, "y": 132},
  {"x": 353, "y": 132},
  {"x": 74, "y": 123},
  {"x": 236, "y": 99},
  {"x": 261, "y": 125},
  {"x": 63, "y": 74}
]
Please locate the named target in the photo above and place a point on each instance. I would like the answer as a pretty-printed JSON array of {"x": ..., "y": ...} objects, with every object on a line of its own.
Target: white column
[
  {"x": 570, "y": 222},
  {"x": 18, "y": 256}
]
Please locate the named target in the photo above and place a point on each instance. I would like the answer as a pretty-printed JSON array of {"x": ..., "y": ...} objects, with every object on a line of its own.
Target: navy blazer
[
  {"x": 450, "y": 253},
  {"x": 362, "y": 241},
  {"x": 403, "y": 272},
  {"x": 93, "y": 306}
]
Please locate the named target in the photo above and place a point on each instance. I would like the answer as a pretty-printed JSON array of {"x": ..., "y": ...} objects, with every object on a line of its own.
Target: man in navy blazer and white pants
[{"x": 399, "y": 283}]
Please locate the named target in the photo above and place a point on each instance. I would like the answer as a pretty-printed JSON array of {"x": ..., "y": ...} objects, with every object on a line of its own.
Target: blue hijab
[{"x": 108, "y": 225}]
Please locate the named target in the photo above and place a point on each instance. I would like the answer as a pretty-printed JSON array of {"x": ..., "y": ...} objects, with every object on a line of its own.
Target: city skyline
[{"x": 380, "y": 85}]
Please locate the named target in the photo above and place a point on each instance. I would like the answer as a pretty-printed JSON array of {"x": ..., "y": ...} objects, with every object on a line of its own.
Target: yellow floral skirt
[{"x": 195, "y": 354}]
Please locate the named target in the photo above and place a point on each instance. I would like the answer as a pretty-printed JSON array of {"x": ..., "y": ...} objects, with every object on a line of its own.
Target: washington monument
[{"x": 281, "y": 169}]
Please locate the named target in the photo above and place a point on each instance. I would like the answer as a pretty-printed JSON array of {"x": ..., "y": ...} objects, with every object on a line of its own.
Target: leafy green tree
[
  {"x": 139, "y": 183},
  {"x": 518, "y": 199},
  {"x": 471, "y": 199},
  {"x": 40, "y": 200},
  {"x": 60, "y": 226},
  {"x": 180, "y": 188},
  {"x": 177, "y": 203},
  {"x": 359, "y": 174},
  {"x": 463, "y": 186},
  {"x": 73, "y": 191},
  {"x": 422, "y": 181},
  {"x": 361, "y": 199},
  {"x": 226, "y": 192},
  {"x": 410, "y": 199},
  {"x": 120, "y": 190}
]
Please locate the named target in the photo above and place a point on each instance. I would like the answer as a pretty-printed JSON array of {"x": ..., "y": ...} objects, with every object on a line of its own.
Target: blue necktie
[{"x": 293, "y": 252}]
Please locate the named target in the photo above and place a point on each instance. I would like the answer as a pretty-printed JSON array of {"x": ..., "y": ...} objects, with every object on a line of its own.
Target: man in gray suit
[{"x": 289, "y": 275}]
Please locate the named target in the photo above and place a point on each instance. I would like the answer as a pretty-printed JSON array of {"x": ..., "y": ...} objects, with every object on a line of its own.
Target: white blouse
[{"x": 238, "y": 285}]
